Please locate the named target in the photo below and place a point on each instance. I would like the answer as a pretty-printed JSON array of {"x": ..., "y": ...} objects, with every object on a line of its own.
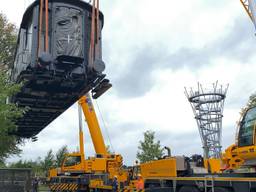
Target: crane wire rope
[
  {"x": 105, "y": 126},
  {"x": 95, "y": 34}
]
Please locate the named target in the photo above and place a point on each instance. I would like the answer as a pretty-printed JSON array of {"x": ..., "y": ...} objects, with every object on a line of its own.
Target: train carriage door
[{"x": 68, "y": 39}]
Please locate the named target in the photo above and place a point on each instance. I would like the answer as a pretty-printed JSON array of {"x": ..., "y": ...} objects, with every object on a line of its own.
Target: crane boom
[
  {"x": 93, "y": 125},
  {"x": 245, "y": 4},
  {"x": 81, "y": 133},
  {"x": 250, "y": 8}
]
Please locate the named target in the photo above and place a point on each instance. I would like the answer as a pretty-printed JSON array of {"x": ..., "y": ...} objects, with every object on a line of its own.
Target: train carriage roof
[{"x": 79, "y": 3}]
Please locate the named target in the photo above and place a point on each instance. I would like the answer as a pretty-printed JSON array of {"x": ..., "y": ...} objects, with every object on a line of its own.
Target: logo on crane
[{"x": 89, "y": 102}]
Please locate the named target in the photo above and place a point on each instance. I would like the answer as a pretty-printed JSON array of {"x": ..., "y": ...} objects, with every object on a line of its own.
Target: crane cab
[
  {"x": 246, "y": 135},
  {"x": 246, "y": 140},
  {"x": 73, "y": 164},
  {"x": 243, "y": 153}
]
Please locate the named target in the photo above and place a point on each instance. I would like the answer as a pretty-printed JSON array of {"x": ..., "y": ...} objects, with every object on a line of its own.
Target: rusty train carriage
[{"x": 55, "y": 72}]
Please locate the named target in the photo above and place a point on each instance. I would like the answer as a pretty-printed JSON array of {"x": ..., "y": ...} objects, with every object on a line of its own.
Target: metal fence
[{"x": 15, "y": 180}]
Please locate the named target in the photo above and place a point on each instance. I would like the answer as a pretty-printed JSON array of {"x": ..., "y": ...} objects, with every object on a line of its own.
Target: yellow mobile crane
[
  {"x": 242, "y": 154},
  {"x": 238, "y": 160},
  {"x": 79, "y": 173},
  {"x": 184, "y": 174}
]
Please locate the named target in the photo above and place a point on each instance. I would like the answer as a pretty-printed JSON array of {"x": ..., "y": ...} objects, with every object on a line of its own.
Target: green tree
[
  {"x": 2, "y": 164},
  {"x": 41, "y": 166},
  {"x": 148, "y": 149},
  {"x": 22, "y": 164},
  {"x": 48, "y": 162},
  {"x": 34, "y": 165},
  {"x": 8, "y": 112},
  {"x": 9, "y": 144},
  {"x": 8, "y": 39},
  {"x": 60, "y": 155},
  {"x": 37, "y": 167},
  {"x": 250, "y": 103},
  {"x": 252, "y": 100}
]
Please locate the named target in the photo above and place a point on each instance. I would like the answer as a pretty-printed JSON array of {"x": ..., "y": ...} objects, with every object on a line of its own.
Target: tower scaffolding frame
[{"x": 207, "y": 106}]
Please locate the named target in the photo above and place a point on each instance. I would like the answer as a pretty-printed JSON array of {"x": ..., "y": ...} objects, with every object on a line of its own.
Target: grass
[{"x": 43, "y": 188}]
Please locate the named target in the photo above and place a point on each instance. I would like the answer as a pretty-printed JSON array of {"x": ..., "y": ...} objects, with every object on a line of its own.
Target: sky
[{"x": 152, "y": 50}]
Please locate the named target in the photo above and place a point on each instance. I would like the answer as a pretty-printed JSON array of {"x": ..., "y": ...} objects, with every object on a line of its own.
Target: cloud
[
  {"x": 152, "y": 50},
  {"x": 137, "y": 77}
]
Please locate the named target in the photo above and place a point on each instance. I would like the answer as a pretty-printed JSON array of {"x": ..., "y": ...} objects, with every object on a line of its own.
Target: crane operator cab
[
  {"x": 72, "y": 164},
  {"x": 242, "y": 154},
  {"x": 246, "y": 140},
  {"x": 246, "y": 135}
]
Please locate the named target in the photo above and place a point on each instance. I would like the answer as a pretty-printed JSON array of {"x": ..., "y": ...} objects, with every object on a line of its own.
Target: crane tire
[{"x": 189, "y": 189}]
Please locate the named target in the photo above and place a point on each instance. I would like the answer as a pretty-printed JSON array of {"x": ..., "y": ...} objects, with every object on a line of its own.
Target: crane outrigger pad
[{"x": 56, "y": 78}]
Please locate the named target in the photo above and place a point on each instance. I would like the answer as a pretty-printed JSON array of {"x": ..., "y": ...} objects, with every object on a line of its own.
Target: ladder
[{"x": 209, "y": 183}]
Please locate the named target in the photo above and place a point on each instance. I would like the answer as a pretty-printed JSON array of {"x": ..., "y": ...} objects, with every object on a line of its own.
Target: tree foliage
[
  {"x": 41, "y": 166},
  {"x": 8, "y": 40},
  {"x": 49, "y": 161},
  {"x": 2, "y": 164},
  {"x": 8, "y": 112},
  {"x": 34, "y": 165},
  {"x": 252, "y": 100},
  {"x": 149, "y": 149},
  {"x": 23, "y": 164},
  {"x": 60, "y": 155},
  {"x": 250, "y": 103}
]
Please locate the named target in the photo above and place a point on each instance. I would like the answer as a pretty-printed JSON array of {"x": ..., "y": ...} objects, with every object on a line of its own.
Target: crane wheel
[
  {"x": 188, "y": 189},
  {"x": 220, "y": 189}
]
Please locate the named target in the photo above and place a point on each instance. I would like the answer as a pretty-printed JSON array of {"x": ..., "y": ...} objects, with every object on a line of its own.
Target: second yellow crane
[{"x": 94, "y": 172}]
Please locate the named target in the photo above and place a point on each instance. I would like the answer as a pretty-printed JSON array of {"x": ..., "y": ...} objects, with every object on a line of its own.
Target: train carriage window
[
  {"x": 246, "y": 132},
  {"x": 26, "y": 43}
]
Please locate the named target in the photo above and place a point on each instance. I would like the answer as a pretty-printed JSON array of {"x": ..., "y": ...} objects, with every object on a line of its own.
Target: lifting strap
[
  {"x": 46, "y": 47},
  {"x": 43, "y": 4},
  {"x": 40, "y": 25},
  {"x": 97, "y": 22},
  {"x": 95, "y": 33}
]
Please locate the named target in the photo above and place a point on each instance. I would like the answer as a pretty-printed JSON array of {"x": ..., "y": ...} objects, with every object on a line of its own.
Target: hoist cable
[{"x": 105, "y": 126}]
